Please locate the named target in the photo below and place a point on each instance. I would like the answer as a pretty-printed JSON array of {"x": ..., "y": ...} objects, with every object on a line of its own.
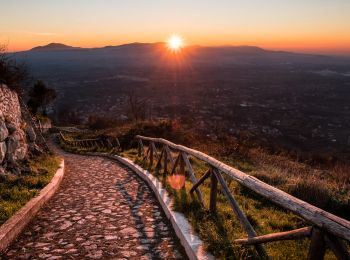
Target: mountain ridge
[{"x": 54, "y": 46}]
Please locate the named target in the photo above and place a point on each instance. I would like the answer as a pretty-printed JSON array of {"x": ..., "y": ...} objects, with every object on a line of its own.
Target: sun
[{"x": 175, "y": 43}]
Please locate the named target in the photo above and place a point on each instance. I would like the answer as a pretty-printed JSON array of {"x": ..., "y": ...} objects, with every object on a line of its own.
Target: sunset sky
[{"x": 317, "y": 26}]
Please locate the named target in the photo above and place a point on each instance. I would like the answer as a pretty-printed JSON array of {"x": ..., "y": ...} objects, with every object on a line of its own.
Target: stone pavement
[{"x": 101, "y": 211}]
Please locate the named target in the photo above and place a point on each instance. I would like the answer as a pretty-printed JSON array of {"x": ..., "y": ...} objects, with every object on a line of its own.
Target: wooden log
[
  {"x": 140, "y": 148},
  {"x": 192, "y": 177},
  {"x": 165, "y": 164},
  {"x": 109, "y": 143},
  {"x": 169, "y": 156},
  {"x": 213, "y": 192},
  {"x": 288, "y": 235},
  {"x": 151, "y": 154},
  {"x": 155, "y": 152},
  {"x": 102, "y": 144},
  {"x": 317, "y": 248},
  {"x": 175, "y": 164},
  {"x": 338, "y": 247},
  {"x": 329, "y": 222},
  {"x": 118, "y": 143},
  {"x": 159, "y": 162},
  {"x": 182, "y": 164},
  {"x": 239, "y": 213},
  {"x": 200, "y": 181},
  {"x": 146, "y": 155}
]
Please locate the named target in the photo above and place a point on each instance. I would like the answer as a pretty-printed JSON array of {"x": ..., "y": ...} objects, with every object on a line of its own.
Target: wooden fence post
[
  {"x": 139, "y": 147},
  {"x": 165, "y": 161},
  {"x": 338, "y": 247},
  {"x": 159, "y": 161},
  {"x": 239, "y": 213},
  {"x": 191, "y": 176},
  {"x": 317, "y": 247},
  {"x": 151, "y": 154},
  {"x": 213, "y": 191},
  {"x": 182, "y": 165}
]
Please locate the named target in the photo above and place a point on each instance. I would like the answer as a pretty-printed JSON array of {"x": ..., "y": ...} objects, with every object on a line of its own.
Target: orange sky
[{"x": 316, "y": 26}]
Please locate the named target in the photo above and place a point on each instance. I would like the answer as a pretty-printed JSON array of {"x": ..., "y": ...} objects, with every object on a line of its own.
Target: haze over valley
[{"x": 281, "y": 99}]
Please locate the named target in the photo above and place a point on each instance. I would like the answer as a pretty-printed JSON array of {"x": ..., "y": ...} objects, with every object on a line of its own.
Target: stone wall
[{"x": 13, "y": 131}]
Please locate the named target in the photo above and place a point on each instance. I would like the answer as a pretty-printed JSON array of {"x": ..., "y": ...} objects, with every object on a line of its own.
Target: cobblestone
[{"x": 101, "y": 211}]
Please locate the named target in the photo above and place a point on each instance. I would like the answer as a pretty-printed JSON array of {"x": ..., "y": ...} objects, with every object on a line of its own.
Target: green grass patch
[
  {"x": 16, "y": 191},
  {"x": 218, "y": 231}
]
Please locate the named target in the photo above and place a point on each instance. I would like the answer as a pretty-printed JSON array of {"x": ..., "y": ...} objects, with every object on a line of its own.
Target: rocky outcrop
[{"x": 13, "y": 131}]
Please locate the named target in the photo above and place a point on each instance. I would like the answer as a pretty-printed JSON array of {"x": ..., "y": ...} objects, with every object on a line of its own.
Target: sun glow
[{"x": 175, "y": 43}]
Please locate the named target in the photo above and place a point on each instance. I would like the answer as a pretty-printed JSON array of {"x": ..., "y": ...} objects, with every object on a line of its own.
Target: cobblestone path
[{"x": 101, "y": 211}]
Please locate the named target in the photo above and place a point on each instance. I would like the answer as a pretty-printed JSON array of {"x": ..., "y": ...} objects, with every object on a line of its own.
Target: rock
[
  {"x": 11, "y": 127},
  {"x": 3, "y": 150},
  {"x": 2, "y": 174},
  {"x": 128, "y": 231},
  {"x": 35, "y": 149},
  {"x": 65, "y": 225},
  {"x": 3, "y": 131},
  {"x": 12, "y": 144},
  {"x": 31, "y": 134},
  {"x": 16, "y": 146},
  {"x": 13, "y": 140},
  {"x": 21, "y": 152}
]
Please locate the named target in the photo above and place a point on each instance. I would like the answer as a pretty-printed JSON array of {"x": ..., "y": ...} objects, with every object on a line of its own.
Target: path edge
[
  {"x": 192, "y": 244},
  {"x": 16, "y": 224}
]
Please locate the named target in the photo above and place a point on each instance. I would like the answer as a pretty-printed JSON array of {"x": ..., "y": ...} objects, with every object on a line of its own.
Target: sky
[{"x": 314, "y": 26}]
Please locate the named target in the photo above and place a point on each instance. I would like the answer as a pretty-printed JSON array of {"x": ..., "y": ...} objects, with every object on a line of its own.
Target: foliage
[
  {"x": 136, "y": 107},
  {"x": 12, "y": 73},
  {"x": 40, "y": 96},
  {"x": 96, "y": 122}
]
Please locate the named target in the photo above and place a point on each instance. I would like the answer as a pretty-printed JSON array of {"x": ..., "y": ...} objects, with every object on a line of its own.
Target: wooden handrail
[
  {"x": 320, "y": 218},
  {"x": 288, "y": 235},
  {"x": 89, "y": 143}
]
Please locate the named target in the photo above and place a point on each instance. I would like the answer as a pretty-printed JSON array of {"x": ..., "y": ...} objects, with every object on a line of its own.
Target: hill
[
  {"x": 54, "y": 47},
  {"x": 283, "y": 100}
]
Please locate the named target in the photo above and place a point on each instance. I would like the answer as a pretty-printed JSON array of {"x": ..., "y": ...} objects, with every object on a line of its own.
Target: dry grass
[{"x": 328, "y": 189}]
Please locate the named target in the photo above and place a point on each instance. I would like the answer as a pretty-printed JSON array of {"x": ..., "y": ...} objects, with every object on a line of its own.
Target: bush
[{"x": 12, "y": 73}]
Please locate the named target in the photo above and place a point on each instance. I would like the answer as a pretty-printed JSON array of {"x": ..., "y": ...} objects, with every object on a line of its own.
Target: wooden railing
[
  {"x": 91, "y": 144},
  {"x": 326, "y": 229}
]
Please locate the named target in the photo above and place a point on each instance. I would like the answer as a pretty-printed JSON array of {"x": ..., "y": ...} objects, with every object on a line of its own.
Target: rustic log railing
[
  {"x": 90, "y": 144},
  {"x": 326, "y": 229}
]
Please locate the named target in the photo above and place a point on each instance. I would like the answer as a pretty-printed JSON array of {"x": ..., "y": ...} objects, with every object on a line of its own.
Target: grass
[
  {"x": 16, "y": 191},
  {"x": 327, "y": 188},
  {"x": 219, "y": 231}
]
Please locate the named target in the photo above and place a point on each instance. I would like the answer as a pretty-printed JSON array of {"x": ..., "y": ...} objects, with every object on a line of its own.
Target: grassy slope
[
  {"x": 314, "y": 185},
  {"x": 219, "y": 231},
  {"x": 15, "y": 192}
]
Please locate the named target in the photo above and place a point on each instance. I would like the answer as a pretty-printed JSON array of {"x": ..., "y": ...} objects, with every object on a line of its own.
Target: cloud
[
  {"x": 44, "y": 33},
  {"x": 36, "y": 33}
]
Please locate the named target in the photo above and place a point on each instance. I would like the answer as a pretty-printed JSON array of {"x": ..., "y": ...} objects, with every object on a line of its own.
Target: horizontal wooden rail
[
  {"x": 91, "y": 143},
  {"x": 318, "y": 217},
  {"x": 288, "y": 235}
]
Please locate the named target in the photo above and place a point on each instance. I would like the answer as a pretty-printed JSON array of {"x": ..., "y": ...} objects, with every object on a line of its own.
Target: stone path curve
[{"x": 101, "y": 211}]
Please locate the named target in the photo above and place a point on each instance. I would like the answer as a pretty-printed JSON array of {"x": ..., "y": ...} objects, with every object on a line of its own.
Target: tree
[
  {"x": 136, "y": 106},
  {"x": 40, "y": 96},
  {"x": 12, "y": 73}
]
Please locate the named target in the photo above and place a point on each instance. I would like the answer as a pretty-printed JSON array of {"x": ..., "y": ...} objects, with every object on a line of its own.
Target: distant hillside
[
  {"x": 54, "y": 47},
  {"x": 157, "y": 54}
]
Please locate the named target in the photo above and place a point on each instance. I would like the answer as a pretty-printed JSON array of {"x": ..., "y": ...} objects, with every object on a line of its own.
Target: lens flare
[{"x": 176, "y": 181}]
